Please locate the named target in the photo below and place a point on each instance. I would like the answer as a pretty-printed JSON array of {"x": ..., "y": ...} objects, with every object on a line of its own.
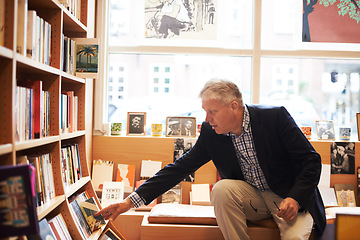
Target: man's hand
[
  {"x": 288, "y": 209},
  {"x": 114, "y": 210}
]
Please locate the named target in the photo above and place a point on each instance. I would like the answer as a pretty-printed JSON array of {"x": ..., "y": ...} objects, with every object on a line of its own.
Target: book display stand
[{"x": 36, "y": 127}]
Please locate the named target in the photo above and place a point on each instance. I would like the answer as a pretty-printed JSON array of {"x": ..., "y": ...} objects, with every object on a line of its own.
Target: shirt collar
[{"x": 246, "y": 122}]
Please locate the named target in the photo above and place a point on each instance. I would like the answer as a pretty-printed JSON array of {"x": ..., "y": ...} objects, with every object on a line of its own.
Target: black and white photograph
[
  {"x": 188, "y": 127},
  {"x": 173, "y": 126},
  {"x": 343, "y": 158},
  {"x": 181, "y": 19},
  {"x": 136, "y": 123},
  {"x": 181, "y": 146},
  {"x": 181, "y": 127},
  {"x": 325, "y": 130}
]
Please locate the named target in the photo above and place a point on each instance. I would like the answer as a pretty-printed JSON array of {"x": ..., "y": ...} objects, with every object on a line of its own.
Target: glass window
[
  {"x": 177, "y": 94},
  {"x": 215, "y": 39},
  {"x": 320, "y": 89}
]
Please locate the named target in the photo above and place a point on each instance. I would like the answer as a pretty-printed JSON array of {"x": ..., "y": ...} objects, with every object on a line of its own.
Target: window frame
[{"x": 308, "y": 50}]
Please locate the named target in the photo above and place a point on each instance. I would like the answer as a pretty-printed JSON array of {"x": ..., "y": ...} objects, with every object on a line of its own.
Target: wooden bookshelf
[{"x": 16, "y": 70}]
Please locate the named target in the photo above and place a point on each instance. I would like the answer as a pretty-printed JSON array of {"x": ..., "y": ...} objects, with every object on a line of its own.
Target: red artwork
[{"x": 331, "y": 21}]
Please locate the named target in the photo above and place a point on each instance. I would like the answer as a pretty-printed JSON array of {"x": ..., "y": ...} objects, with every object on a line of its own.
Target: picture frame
[
  {"x": 180, "y": 126},
  {"x": 136, "y": 124},
  {"x": 325, "y": 130},
  {"x": 358, "y": 124}
]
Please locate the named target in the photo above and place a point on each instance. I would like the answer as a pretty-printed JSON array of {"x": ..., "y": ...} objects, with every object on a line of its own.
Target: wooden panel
[
  {"x": 179, "y": 231},
  {"x": 132, "y": 150}
]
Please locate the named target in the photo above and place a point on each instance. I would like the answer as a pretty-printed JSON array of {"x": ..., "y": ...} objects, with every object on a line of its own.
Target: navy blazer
[{"x": 290, "y": 164}]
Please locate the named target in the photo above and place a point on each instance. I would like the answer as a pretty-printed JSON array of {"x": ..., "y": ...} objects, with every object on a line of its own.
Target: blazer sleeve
[{"x": 174, "y": 173}]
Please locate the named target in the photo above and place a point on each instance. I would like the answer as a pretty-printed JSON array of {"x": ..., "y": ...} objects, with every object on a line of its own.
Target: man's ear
[{"x": 234, "y": 105}]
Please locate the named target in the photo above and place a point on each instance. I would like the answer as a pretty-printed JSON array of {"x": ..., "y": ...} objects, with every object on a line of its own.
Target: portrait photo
[
  {"x": 325, "y": 130},
  {"x": 181, "y": 127},
  {"x": 188, "y": 127},
  {"x": 173, "y": 126},
  {"x": 342, "y": 157},
  {"x": 136, "y": 122}
]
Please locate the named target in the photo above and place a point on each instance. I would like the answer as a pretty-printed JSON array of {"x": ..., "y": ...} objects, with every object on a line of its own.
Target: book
[
  {"x": 126, "y": 173},
  {"x": 200, "y": 194},
  {"x": 149, "y": 168},
  {"x": 109, "y": 235},
  {"x": 46, "y": 231},
  {"x": 59, "y": 227},
  {"x": 329, "y": 197},
  {"x": 181, "y": 146},
  {"x": 345, "y": 194},
  {"x": 102, "y": 171},
  {"x": 173, "y": 195},
  {"x": 21, "y": 27},
  {"x": 18, "y": 214},
  {"x": 31, "y": 34},
  {"x": 112, "y": 192},
  {"x": 89, "y": 207},
  {"x": 80, "y": 219}
]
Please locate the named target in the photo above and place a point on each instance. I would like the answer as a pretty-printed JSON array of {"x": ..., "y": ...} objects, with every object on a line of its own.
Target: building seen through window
[{"x": 163, "y": 76}]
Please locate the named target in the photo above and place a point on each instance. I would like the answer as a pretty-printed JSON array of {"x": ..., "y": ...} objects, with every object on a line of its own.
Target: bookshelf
[{"x": 17, "y": 69}]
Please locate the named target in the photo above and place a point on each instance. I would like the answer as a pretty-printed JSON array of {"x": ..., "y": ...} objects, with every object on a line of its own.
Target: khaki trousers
[{"x": 236, "y": 201}]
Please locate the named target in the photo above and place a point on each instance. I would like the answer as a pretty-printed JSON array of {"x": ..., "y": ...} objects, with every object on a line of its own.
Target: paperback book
[
  {"x": 89, "y": 208},
  {"x": 18, "y": 214}
]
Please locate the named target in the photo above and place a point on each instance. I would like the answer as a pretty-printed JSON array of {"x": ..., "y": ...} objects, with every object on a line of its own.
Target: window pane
[
  {"x": 215, "y": 23},
  {"x": 176, "y": 93},
  {"x": 314, "y": 89},
  {"x": 279, "y": 23}
]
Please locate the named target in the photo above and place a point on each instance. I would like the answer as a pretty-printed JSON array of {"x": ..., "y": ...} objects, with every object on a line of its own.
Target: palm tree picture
[{"x": 87, "y": 58}]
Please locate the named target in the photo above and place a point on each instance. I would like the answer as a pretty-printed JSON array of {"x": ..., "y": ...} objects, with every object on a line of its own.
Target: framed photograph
[
  {"x": 358, "y": 124},
  {"x": 181, "y": 127},
  {"x": 325, "y": 130},
  {"x": 136, "y": 122}
]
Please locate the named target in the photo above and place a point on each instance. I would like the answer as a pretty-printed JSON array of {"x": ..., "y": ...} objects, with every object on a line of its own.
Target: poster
[
  {"x": 180, "y": 19},
  {"x": 331, "y": 21}
]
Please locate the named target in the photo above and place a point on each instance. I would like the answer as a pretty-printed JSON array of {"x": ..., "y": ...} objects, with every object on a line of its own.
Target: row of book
[
  {"x": 54, "y": 228},
  {"x": 70, "y": 164},
  {"x": 32, "y": 111},
  {"x": 69, "y": 55},
  {"x": 69, "y": 112},
  {"x": 74, "y": 7},
  {"x": 45, "y": 188},
  {"x": 83, "y": 207},
  {"x": 34, "y": 38}
]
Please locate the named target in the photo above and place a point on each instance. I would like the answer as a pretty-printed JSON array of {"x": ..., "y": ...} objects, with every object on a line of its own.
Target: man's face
[
  {"x": 188, "y": 124},
  {"x": 221, "y": 117}
]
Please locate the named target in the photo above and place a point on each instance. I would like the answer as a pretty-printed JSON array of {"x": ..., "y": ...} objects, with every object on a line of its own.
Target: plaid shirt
[{"x": 246, "y": 154}]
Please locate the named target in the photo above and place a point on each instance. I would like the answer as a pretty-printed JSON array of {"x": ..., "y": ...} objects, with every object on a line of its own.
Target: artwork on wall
[
  {"x": 342, "y": 158},
  {"x": 180, "y": 19},
  {"x": 332, "y": 21}
]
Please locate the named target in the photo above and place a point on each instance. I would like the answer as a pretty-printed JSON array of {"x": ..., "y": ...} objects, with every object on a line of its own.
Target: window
[{"x": 162, "y": 75}]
